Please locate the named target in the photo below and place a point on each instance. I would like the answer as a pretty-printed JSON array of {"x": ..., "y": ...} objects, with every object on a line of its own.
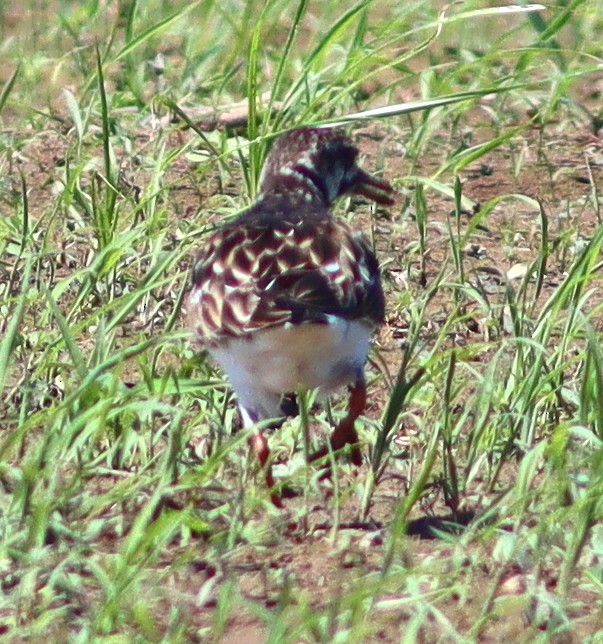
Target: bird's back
[{"x": 282, "y": 263}]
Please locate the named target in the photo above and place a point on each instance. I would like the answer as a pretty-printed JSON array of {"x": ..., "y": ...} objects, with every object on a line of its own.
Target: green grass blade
[
  {"x": 8, "y": 86},
  {"x": 14, "y": 321},
  {"x": 66, "y": 332},
  {"x": 133, "y": 43}
]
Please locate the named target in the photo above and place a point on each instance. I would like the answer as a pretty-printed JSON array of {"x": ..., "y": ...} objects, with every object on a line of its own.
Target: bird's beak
[{"x": 372, "y": 188}]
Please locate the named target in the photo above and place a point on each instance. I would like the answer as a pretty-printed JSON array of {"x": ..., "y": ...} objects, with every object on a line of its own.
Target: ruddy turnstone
[{"x": 287, "y": 294}]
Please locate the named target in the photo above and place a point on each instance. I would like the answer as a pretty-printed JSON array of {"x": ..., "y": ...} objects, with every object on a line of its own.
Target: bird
[{"x": 287, "y": 294}]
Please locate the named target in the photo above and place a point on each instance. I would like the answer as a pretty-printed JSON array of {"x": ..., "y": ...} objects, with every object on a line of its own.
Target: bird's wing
[{"x": 255, "y": 275}]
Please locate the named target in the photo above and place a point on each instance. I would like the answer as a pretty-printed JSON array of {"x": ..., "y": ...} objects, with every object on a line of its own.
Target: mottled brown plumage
[{"x": 254, "y": 274}]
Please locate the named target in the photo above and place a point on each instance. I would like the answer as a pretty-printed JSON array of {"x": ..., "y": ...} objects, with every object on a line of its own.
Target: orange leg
[
  {"x": 345, "y": 433},
  {"x": 259, "y": 446}
]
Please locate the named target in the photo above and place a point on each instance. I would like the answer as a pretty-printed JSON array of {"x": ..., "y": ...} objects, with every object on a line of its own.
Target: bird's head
[{"x": 319, "y": 163}]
